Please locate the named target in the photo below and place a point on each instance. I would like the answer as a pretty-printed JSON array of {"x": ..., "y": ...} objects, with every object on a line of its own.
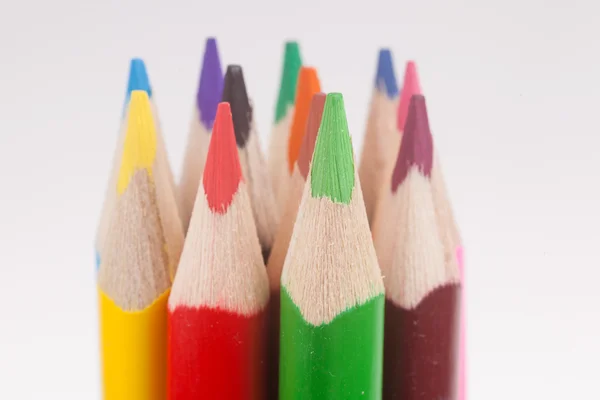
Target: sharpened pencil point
[
  {"x": 223, "y": 172},
  {"x": 310, "y": 137},
  {"x": 234, "y": 93},
  {"x": 138, "y": 77},
  {"x": 416, "y": 148},
  {"x": 332, "y": 170},
  {"x": 410, "y": 87},
  {"x": 139, "y": 148},
  {"x": 210, "y": 88},
  {"x": 385, "y": 80},
  {"x": 289, "y": 78},
  {"x": 308, "y": 85}
]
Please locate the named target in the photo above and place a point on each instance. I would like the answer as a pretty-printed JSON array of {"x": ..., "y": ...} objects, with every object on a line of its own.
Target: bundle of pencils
[{"x": 360, "y": 296}]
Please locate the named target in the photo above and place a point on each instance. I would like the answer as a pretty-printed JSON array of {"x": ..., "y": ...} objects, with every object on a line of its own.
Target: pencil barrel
[
  {"x": 421, "y": 347},
  {"x": 134, "y": 350},
  {"x": 215, "y": 354},
  {"x": 341, "y": 359}
]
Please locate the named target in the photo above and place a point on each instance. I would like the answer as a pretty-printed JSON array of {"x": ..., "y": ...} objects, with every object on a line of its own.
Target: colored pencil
[
  {"x": 162, "y": 175},
  {"x": 286, "y": 226},
  {"x": 331, "y": 287},
  {"x": 133, "y": 279},
  {"x": 445, "y": 216},
  {"x": 208, "y": 96},
  {"x": 254, "y": 168},
  {"x": 382, "y": 140},
  {"x": 284, "y": 112},
  {"x": 216, "y": 308},
  {"x": 422, "y": 283}
]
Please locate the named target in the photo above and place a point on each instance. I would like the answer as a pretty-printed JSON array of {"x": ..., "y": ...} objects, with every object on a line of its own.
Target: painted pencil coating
[
  {"x": 327, "y": 361},
  {"x": 132, "y": 367},
  {"x": 215, "y": 354},
  {"x": 420, "y": 347}
]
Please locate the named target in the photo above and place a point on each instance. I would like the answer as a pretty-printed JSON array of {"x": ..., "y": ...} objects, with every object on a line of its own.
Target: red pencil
[{"x": 216, "y": 308}]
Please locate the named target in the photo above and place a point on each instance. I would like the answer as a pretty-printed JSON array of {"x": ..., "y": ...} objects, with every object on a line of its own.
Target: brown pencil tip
[
  {"x": 312, "y": 129},
  {"x": 416, "y": 148}
]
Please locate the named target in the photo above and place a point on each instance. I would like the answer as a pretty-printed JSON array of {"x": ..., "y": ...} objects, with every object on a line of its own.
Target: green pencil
[{"x": 332, "y": 299}]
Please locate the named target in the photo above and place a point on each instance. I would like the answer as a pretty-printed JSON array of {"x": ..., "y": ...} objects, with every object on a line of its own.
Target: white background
[{"x": 513, "y": 96}]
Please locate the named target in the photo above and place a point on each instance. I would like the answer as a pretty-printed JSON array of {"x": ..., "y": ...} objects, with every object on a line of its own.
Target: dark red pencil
[
  {"x": 216, "y": 308},
  {"x": 422, "y": 284}
]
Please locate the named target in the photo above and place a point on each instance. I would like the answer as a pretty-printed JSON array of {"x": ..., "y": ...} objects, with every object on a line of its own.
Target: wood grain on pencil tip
[
  {"x": 216, "y": 317},
  {"x": 308, "y": 85},
  {"x": 339, "y": 304}
]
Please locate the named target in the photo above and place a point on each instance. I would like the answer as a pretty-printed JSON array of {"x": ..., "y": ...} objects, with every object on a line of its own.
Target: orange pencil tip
[{"x": 308, "y": 85}]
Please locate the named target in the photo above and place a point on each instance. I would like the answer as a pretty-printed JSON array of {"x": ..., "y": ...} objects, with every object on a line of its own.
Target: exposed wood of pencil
[
  {"x": 284, "y": 234},
  {"x": 216, "y": 317},
  {"x": 332, "y": 291},
  {"x": 208, "y": 96},
  {"x": 133, "y": 279},
  {"x": 162, "y": 176},
  {"x": 284, "y": 111},
  {"x": 422, "y": 285},
  {"x": 254, "y": 167},
  {"x": 382, "y": 138}
]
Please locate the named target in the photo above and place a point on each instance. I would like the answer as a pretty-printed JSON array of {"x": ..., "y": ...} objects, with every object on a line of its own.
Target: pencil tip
[
  {"x": 234, "y": 92},
  {"x": 416, "y": 148},
  {"x": 292, "y": 62},
  {"x": 308, "y": 85},
  {"x": 332, "y": 169},
  {"x": 138, "y": 77},
  {"x": 410, "y": 87},
  {"x": 312, "y": 128},
  {"x": 385, "y": 80},
  {"x": 222, "y": 173},
  {"x": 210, "y": 88},
  {"x": 139, "y": 147}
]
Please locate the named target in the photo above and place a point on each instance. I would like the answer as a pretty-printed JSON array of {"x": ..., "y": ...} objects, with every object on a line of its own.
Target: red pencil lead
[
  {"x": 416, "y": 148},
  {"x": 222, "y": 173},
  {"x": 410, "y": 87}
]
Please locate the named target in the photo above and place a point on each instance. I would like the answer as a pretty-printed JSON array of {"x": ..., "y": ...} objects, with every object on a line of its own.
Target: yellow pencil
[{"x": 134, "y": 278}]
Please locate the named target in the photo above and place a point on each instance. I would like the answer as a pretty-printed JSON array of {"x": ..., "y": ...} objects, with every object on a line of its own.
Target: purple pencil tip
[{"x": 210, "y": 88}]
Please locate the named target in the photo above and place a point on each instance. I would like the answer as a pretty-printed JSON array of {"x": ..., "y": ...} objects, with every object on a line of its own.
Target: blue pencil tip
[
  {"x": 138, "y": 77},
  {"x": 210, "y": 88},
  {"x": 386, "y": 78}
]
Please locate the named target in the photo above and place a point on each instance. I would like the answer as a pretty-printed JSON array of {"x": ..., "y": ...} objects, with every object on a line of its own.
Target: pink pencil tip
[{"x": 410, "y": 87}]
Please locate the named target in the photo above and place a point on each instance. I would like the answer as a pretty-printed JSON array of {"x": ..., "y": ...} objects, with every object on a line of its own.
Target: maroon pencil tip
[
  {"x": 416, "y": 148},
  {"x": 310, "y": 136}
]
